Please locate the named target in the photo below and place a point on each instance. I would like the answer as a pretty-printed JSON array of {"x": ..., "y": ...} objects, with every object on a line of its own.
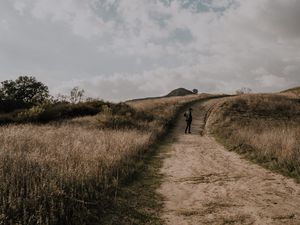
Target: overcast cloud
[{"x": 122, "y": 49}]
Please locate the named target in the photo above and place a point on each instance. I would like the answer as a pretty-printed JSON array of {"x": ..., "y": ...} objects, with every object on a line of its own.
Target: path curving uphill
[{"x": 206, "y": 184}]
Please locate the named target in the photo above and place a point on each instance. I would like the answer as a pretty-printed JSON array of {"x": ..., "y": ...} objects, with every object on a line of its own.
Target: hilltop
[
  {"x": 175, "y": 93},
  {"x": 180, "y": 92}
]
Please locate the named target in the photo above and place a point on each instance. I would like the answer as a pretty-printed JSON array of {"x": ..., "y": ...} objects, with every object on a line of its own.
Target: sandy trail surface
[{"x": 206, "y": 184}]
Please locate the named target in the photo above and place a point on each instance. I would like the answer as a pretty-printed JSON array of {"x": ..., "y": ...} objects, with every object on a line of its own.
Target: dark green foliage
[
  {"x": 120, "y": 115},
  {"x": 9, "y": 105},
  {"x": 51, "y": 112},
  {"x": 24, "y": 92},
  {"x": 67, "y": 110},
  {"x": 6, "y": 119},
  {"x": 141, "y": 115},
  {"x": 121, "y": 109},
  {"x": 24, "y": 89},
  {"x": 180, "y": 92}
]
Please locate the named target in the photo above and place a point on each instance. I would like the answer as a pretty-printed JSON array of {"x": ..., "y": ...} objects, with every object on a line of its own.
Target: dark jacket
[{"x": 188, "y": 116}]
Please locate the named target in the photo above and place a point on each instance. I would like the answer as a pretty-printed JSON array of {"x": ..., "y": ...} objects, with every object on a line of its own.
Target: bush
[
  {"x": 121, "y": 118},
  {"x": 68, "y": 110},
  {"x": 7, "y": 106},
  {"x": 142, "y": 115},
  {"x": 6, "y": 119},
  {"x": 30, "y": 115},
  {"x": 114, "y": 115},
  {"x": 121, "y": 109}
]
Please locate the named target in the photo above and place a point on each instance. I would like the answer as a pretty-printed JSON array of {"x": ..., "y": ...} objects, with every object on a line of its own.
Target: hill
[
  {"x": 180, "y": 92},
  {"x": 175, "y": 93},
  {"x": 295, "y": 91}
]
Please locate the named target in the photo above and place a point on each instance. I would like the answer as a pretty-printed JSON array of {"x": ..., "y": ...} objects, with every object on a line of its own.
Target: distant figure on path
[{"x": 188, "y": 118}]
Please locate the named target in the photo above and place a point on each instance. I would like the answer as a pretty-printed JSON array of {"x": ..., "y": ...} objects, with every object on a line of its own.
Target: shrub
[
  {"x": 6, "y": 118},
  {"x": 10, "y": 105},
  {"x": 110, "y": 117},
  {"x": 30, "y": 115},
  {"x": 68, "y": 110}
]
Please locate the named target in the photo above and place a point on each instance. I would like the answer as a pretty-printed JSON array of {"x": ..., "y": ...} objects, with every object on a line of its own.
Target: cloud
[
  {"x": 266, "y": 79},
  {"x": 79, "y": 15},
  {"x": 281, "y": 17},
  {"x": 270, "y": 80},
  {"x": 120, "y": 49},
  {"x": 19, "y": 6}
]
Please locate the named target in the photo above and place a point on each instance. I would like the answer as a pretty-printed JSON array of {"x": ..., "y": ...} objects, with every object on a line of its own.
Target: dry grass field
[
  {"x": 67, "y": 172},
  {"x": 264, "y": 127},
  {"x": 48, "y": 171}
]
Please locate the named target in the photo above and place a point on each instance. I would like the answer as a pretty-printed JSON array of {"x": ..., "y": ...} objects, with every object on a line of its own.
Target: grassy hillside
[
  {"x": 292, "y": 91},
  {"x": 263, "y": 127},
  {"x": 69, "y": 172}
]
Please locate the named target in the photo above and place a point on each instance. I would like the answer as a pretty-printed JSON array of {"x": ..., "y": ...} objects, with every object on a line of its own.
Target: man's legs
[
  {"x": 190, "y": 123},
  {"x": 187, "y": 127}
]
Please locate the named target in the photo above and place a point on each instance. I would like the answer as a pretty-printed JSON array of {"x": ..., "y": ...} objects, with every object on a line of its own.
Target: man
[{"x": 188, "y": 119}]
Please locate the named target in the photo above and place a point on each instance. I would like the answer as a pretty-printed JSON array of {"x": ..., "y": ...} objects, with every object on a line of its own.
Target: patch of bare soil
[{"x": 206, "y": 184}]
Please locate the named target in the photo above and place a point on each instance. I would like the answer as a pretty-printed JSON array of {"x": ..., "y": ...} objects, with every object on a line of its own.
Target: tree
[
  {"x": 76, "y": 95},
  {"x": 1, "y": 93},
  {"x": 195, "y": 91},
  {"x": 243, "y": 90},
  {"x": 24, "y": 89},
  {"x": 60, "y": 98}
]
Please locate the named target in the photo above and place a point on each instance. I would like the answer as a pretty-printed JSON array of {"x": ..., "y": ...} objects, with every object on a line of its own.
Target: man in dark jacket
[{"x": 188, "y": 119}]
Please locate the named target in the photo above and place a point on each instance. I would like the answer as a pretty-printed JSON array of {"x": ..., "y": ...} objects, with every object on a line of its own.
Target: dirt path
[{"x": 206, "y": 184}]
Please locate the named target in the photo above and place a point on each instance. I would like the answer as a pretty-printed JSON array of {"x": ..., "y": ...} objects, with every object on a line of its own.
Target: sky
[{"x": 123, "y": 49}]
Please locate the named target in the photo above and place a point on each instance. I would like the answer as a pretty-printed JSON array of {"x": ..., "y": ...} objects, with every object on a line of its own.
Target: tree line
[{"x": 27, "y": 91}]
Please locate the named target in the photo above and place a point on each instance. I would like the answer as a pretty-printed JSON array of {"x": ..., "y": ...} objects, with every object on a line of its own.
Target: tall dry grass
[
  {"x": 68, "y": 173},
  {"x": 47, "y": 172},
  {"x": 264, "y": 127},
  {"x": 281, "y": 144}
]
